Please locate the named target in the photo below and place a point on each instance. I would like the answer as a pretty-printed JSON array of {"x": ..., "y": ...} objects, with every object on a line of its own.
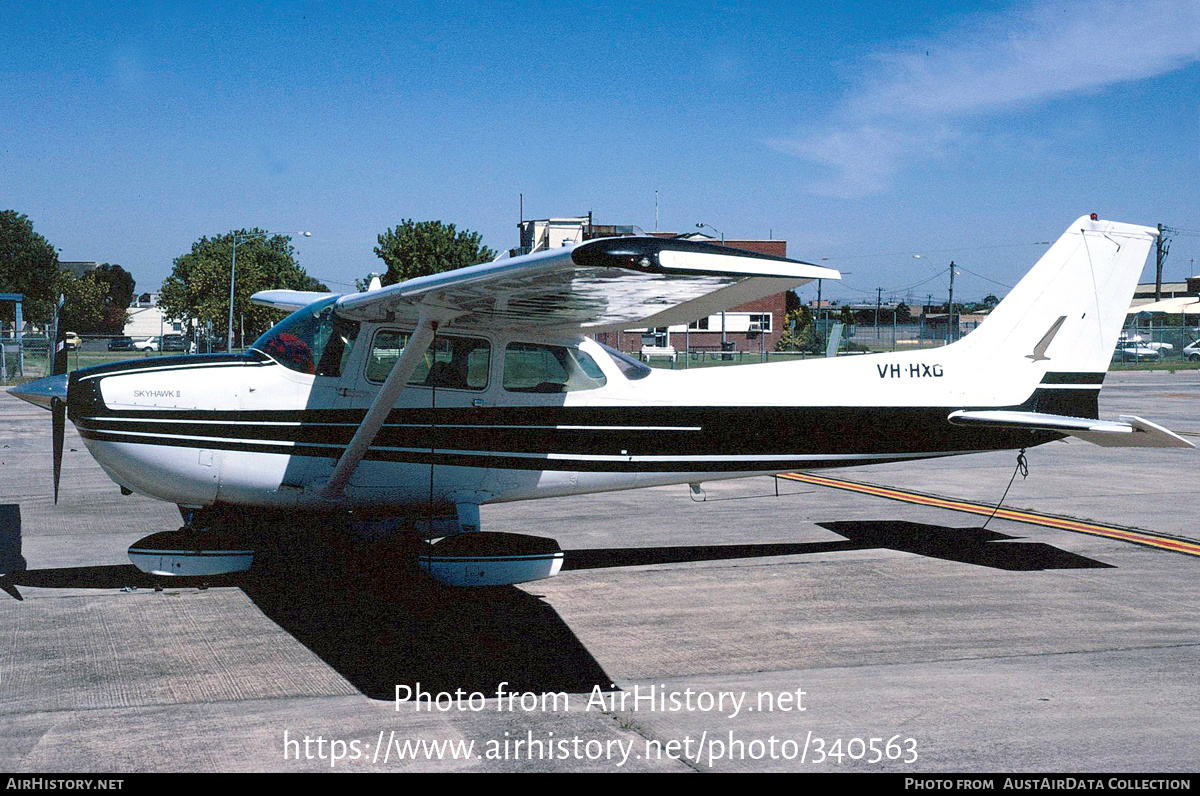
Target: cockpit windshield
[{"x": 311, "y": 340}]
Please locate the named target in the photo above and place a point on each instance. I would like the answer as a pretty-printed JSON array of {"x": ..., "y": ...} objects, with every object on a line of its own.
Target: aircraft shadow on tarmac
[
  {"x": 366, "y": 609},
  {"x": 966, "y": 545}
]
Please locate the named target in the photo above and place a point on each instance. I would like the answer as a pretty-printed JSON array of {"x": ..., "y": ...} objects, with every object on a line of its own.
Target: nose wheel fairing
[
  {"x": 190, "y": 553},
  {"x": 489, "y": 558}
]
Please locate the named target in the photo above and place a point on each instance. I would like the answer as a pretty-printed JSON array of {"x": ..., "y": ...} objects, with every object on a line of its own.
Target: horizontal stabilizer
[{"x": 1128, "y": 432}]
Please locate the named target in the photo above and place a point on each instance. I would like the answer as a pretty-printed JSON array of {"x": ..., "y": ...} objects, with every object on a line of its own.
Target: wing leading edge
[{"x": 600, "y": 285}]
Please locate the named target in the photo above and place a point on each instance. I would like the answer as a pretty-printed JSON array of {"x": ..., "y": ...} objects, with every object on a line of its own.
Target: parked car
[
  {"x": 1127, "y": 339},
  {"x": 121, "y": 344},
  {"x": 73, "y": 341},
  {"x": 173, "y": 342},
  {"x": 1136, "y": 352},
  {"x": 1191, "y": 352},
  {"x": 149, "y": 344}
]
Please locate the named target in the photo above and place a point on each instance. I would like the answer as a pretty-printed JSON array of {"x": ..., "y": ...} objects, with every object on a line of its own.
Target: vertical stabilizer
[{"x": 1064, "y": 317}]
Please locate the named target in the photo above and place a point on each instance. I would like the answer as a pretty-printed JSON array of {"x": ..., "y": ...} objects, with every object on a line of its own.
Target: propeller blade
[
  {"x": 58, "y": 411},
  {"x": 59, "y": 365},
  {"x": 58, "y": 408},
  {"x": 49, "y": 393}
]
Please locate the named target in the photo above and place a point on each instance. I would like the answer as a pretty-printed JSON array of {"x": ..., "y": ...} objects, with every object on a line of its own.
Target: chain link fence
[
  {"x": 29, "y": 357},
  {"x": 1137, "y": 344}
]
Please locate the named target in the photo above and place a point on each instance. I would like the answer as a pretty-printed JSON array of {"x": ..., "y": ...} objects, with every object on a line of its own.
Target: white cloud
[
  {"x": 864, "y": 157},
  {"x": 994, "y": 63}
]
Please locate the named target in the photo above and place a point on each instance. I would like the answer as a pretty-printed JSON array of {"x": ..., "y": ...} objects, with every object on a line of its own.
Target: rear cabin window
[
  {"x": 532, "y": 367},
  {"x": 452, "y": 363}
]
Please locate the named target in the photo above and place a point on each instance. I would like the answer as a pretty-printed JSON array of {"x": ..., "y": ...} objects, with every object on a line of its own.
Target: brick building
[{"x": 755, "y": 326}]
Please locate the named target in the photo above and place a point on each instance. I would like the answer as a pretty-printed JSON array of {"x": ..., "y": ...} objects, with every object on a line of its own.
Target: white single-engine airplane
[{"x": 437, "y": 395}]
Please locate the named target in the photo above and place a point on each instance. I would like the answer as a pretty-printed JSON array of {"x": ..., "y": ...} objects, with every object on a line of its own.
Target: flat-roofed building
[{"x": 754, "y": 326}]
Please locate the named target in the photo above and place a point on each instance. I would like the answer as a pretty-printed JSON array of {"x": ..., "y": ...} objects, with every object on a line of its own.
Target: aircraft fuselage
[{"x": 247, "y": 430}]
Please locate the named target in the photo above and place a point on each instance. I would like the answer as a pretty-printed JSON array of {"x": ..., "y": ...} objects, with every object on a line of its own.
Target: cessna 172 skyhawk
[{"x": 447, "y": 392}]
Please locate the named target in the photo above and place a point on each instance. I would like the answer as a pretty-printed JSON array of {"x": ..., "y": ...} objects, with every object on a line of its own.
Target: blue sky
[{"x": 863, "y": 132}]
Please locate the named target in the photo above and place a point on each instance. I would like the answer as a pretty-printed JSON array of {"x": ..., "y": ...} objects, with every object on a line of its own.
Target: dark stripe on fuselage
[
  {"x": 509, "y": 461},
  {"x": 166, "y": 363},
  {"x": 1073, "y": 378},
  {"x": 524, "y": 437},
  {"x": 608, "y": 439}
]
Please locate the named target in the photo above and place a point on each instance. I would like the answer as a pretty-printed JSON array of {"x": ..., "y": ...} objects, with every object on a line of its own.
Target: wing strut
[{"x": 401, "y": 372}]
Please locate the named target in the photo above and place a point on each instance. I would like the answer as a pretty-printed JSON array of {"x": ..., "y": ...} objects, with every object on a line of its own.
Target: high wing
[
  {"x": 289, "y": 300},
  {"x": 604, "y": 284},
  {"x": 601, "y": 285}
]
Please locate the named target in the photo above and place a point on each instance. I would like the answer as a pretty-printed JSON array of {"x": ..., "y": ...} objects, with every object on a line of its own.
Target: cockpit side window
[
  {"x": 311, "y": 340},
  {"x": 533, "y": 367},
  {"x": 337, "y": 349}
]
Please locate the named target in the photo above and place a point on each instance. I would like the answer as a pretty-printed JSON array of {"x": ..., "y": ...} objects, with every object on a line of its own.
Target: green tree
[
  {"x": 83, "y": 311},
  {"x": 29, "y": 265},
  {"x": 198, "y": 286},
  {"x": 804, "y": 338},
  {"x": 791, "y": 302},
  {"x": 802, "y": 315},
  {"x": 119, "y": 286},
  {"x": 421, "y": 248},
  {"x": 97, "y": 302}
]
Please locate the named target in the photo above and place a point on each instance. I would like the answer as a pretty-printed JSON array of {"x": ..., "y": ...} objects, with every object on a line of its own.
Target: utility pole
[
  {"x": 950, "y": 306},
  {"x": 820, "y": 315},
  {"x": 1161, "y": 246},
  {"x": 878, "y": 301}
]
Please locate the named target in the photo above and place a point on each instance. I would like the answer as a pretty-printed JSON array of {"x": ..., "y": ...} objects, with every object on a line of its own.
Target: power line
[
  {"x": 984, "y": 278},
  {"x": 943, "y": 250}
]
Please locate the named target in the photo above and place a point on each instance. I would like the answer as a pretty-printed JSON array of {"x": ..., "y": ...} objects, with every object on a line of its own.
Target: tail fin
[{"x": 1063, "y": 317}]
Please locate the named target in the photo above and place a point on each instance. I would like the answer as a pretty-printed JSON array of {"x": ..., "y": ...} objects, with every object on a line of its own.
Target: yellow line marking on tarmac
[{"x": 1132, "y": 535}]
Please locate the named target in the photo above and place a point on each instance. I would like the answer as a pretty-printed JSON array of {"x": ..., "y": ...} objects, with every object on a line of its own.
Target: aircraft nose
[{"x": 42, "y": 391}]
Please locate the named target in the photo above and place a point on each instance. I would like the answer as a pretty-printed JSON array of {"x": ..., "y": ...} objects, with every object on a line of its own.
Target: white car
[
  {"x": 1126, "y": 340},
  {"x": 149, "y": 344},
  {"x": 1136, "y": 352},
  {"x": 1191, "y": 352}
]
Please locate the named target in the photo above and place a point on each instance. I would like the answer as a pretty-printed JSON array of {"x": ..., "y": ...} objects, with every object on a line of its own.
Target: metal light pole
[
  {"x": 714, "y": 229},
  {"x": 722, "y": 234}
]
